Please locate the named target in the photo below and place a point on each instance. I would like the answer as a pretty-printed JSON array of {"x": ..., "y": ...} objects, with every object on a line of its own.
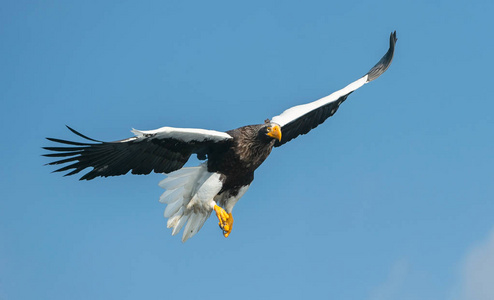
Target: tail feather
[
  {"x": 183, "y": 219},
  {"x": 173, "y": 207},
  {"x": 183, "y": 172},
  {"x": 196, "y": 220},
  {"x": 171, "y": 183},
  {"x": 171, "y": 196},
  {"x": 181, "y": 186},
  {"x": 173, "y": 221}
]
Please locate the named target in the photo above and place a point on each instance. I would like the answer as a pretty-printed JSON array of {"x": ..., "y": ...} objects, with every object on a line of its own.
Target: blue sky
[{"x": 392, "y": 198}]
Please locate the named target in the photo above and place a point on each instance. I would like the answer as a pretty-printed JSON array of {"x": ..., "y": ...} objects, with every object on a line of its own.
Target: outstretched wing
[
  {"x": 302, "y": 118},
  {"x": 162, "y": 150}
]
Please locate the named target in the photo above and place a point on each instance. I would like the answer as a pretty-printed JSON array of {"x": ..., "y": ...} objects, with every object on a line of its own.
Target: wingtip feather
[
  {"x": 385, "y": 61},
  {"x": 82, "y": 135}
]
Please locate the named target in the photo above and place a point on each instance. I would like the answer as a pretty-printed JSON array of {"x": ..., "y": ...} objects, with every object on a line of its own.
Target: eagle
[{"x": 230, "y": 158}]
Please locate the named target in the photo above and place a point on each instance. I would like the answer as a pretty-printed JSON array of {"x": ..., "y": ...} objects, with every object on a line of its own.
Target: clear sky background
[{"x": 392, "y": 198}]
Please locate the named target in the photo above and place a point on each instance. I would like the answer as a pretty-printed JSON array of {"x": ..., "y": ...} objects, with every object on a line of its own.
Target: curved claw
[{"x": 225, "y": 220}]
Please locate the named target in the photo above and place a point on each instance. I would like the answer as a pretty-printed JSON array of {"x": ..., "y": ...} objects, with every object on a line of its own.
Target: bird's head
[{"x": 273, "y": 130}]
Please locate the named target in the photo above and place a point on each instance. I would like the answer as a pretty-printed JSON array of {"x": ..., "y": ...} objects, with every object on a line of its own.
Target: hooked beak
[{"x": 274, "y": 132}]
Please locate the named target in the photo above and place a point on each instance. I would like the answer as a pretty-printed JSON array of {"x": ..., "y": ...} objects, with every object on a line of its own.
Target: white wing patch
[
  {"x": 296, "y": 112},
  {"x": 189, "y": 197},
  {"x": 184, "y": 134}
]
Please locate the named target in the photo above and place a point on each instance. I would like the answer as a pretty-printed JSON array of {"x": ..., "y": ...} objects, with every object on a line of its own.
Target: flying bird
[{"x": 230, "y": 158}]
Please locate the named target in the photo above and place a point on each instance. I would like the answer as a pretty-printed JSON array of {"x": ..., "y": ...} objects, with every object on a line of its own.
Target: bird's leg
[{"x": 225, "y": 220}]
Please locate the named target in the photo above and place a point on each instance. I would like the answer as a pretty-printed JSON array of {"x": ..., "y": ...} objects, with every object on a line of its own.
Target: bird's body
[
  {"x": 192, "y": 193},
  {"x": 238, "y": 163},
  {"x": 248, "y": 151}
]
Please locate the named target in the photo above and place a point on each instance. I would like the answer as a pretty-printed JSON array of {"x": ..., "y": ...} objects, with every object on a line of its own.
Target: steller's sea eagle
[{"x": 192, "y": 193}]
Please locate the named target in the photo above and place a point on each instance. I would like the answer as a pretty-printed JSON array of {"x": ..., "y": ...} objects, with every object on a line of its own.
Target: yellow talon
[{"x": 225, "y": 220}]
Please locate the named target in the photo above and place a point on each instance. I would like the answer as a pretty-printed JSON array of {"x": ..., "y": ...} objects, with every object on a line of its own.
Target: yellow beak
[{"x": 275, "y": 132}]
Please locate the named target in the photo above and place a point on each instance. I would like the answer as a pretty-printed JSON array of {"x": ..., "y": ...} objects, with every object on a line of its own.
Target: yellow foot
[{"x": 225, "y": 220}]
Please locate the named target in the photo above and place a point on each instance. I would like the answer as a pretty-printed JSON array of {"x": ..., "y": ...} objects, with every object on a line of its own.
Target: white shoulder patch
[
  {"x": 184, "y": 134},
  {"x": 296, "y": 112}
]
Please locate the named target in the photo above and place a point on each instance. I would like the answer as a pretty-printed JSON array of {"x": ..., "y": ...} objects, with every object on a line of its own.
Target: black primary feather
[
  {"x": 314, "y": 118},
  {"x": 140, "y": 155}
]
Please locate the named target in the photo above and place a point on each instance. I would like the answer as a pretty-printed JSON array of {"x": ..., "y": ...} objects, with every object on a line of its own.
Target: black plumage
[
  {"x": 164, "y": 154},
  {"x": 314, "y": 118},
  {"x": 138, "y": 155},
  {"x": 232, "y": 156}
]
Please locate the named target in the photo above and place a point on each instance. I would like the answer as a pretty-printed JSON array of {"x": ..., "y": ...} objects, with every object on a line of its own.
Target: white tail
[{"x": 189, "y": 197}]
